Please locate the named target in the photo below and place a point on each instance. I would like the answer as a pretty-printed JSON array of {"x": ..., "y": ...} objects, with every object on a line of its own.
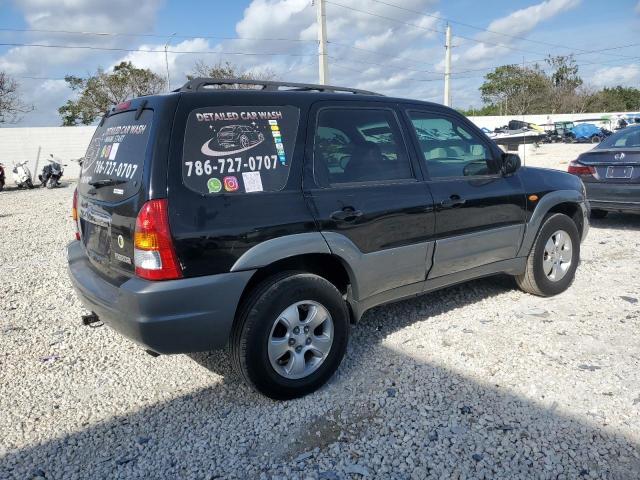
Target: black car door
[
  {"x": 368, "y": 196},
  {"x": 480, "y": 213}
]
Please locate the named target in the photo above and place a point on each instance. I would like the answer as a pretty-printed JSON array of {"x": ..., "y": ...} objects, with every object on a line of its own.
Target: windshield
[
  {"x": 627, "y": 138},
  {"x": 112, "y": 166}
]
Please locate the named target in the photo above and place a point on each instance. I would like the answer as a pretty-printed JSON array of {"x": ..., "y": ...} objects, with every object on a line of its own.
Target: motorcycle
[
  {"x": 22, "y": 175},
  {"x": 2, "y": 177},
  {"x": 51, "y": 174}
]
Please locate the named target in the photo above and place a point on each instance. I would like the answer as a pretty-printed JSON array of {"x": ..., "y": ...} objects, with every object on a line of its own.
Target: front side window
[
  {"x": 239, "y": 149},
  {"x": 449, "y": 149},
  {"x": 354, "y": 145}
]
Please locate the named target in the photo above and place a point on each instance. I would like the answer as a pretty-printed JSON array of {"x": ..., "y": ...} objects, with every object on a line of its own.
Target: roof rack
[{"x": 267, "y": 85}]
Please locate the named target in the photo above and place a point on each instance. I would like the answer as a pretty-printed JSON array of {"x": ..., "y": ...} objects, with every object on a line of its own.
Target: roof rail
[{"x": 267, "y": 85}]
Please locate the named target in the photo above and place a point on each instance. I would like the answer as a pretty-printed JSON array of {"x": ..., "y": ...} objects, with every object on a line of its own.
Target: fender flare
[
  {"x": 543, "y": 207},
  {"x": 270, "y": 251}
]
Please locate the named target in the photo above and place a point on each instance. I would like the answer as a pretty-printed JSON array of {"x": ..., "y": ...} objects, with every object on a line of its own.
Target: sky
[{"x": 394, "y": 47}]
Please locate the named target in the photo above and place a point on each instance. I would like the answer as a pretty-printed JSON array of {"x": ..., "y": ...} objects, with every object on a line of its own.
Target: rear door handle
[
  {"x": 452, "y": 201},
  {"x": 347, "y": 214}
]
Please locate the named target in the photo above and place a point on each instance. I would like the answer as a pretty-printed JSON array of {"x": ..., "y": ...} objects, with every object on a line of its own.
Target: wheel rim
[
  {"x": 558, "y": 256},
  {"x": 300, "y": 339}
]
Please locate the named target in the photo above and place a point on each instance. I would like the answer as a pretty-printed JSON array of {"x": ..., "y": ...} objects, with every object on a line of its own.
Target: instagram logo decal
[{"x": 231, "y": 184}]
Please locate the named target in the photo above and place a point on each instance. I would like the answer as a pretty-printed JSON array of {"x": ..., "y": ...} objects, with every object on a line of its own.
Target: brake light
[
  {"x": 123, "y": 106},
  {"x": 74, "y": 213},
  {"x": 576, "y": 168},
  {"x": 153, "y": 254}
]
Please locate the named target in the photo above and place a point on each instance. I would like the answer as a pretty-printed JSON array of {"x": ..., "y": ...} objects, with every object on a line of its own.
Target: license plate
[{"x": 619, "y": 172}]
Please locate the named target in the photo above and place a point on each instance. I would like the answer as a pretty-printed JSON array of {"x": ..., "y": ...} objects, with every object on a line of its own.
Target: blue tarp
[{"x": 585, "y": 130}]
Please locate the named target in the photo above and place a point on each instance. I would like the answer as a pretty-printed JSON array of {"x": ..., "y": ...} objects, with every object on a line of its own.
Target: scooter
[
  {"x": 22, "y": 175},
  {"x": 51, "y": 174},
  {"x": 2, "y": 177}
]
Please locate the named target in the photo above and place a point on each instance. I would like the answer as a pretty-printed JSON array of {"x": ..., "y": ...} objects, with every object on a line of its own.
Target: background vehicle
[
  {"x": 2, "y": 176},
  {"x": 22, "y": 175},
  {"x": 351, "y": 201},
  {"x": 611, "y": 173},
  {"x": 51, "y": 173}
]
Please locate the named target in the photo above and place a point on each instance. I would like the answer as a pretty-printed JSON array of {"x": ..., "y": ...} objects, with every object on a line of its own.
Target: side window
[
  {"x": 359, "y": 145},
  {"x": 449, "y": 149}
]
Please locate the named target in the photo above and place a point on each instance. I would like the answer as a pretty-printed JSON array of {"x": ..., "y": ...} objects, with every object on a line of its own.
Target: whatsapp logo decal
[{"x": 214, "y": 185}]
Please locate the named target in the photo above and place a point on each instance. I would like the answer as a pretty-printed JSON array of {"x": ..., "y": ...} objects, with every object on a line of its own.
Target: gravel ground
[{"x": 475, "y": 381}]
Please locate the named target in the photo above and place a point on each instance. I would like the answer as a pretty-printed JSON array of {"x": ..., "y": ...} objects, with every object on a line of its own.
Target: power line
[
  {"x": 149, "y": 35},
  {"x": 516, "y": 37},
  {"x": 116, "y": 49},
  {"x": 429, "y": 29}
]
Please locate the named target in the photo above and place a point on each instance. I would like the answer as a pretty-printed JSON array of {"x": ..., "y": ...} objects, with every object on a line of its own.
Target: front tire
[
  {"x": 290, "y": 335},
  {"x": 554, "y": 257}
]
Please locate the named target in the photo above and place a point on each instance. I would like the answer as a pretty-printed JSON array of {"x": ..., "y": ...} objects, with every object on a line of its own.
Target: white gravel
[{"x": 476, "y": 381}]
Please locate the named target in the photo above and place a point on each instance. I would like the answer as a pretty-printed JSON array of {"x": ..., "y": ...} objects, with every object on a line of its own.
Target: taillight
[
  {"x": 74, "y": 213},
  {"x": 153, "y": 254},
  {"x": 576, "y": 168}
]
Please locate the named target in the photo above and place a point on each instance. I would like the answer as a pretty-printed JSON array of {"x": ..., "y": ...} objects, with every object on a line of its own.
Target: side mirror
[{"x": 510, "y": 163}]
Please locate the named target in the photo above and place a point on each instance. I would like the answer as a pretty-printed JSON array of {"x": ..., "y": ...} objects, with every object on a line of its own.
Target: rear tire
[
  {"x": 29, "y": 183},
  {"x": 599, "y": 213},
  {"x": 254, "y": 336},
  {"x": 552, "y": 262}
]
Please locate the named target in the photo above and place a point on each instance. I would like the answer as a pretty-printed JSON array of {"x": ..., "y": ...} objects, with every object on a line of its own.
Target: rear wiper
[{"x": 107, "y": 182}]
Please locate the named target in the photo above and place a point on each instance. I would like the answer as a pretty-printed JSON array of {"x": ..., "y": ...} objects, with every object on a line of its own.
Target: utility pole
[
  {"x": 447, "y": 67},
  {"x": 322, "y": 42},
  {"x": 166, "y": 60}
]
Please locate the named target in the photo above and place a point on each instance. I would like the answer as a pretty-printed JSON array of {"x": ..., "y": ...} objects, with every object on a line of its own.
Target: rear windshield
[
  {"x": 239, "y": 149},
  {"x": 115, "y": 157},
  {"x": 627, "y": 138}
]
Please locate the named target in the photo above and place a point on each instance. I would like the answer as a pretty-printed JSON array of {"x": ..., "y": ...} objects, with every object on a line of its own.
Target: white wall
[{"x": 66, "y": 143}]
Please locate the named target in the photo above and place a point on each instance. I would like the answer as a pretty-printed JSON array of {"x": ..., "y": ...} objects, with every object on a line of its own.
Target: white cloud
[
  {"x": 518, "y": 23},
  {"x": 624, "y": 75}
]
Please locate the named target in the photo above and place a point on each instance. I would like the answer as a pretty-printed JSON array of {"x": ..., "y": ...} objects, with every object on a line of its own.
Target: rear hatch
[
  {"x": 613, "y": 165},
  {"x": 113, "y": 186}
]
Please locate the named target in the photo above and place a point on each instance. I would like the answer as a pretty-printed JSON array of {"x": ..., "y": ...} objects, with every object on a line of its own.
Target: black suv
[{"x": 349, "y": 200}]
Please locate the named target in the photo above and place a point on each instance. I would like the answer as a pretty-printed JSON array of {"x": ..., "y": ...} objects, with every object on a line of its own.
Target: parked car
[
  {"x": 352, "y": 200},
  {"x": 611, "y": 173}
]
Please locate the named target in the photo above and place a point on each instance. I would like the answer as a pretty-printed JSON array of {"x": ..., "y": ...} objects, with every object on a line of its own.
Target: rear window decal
[{"x": 239, "y": 149}]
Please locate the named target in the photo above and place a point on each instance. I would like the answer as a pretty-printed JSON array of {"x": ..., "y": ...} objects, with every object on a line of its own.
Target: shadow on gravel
[
  {"x": 381, "y": 401},
  {"x": 617, "y": 221}
]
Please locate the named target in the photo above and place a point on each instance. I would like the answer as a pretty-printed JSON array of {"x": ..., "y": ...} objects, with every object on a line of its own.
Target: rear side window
[
  {"x": 354, "y": 145},
  {"x": 239, "y": 149},
  {"x": 115, "y": 156}
]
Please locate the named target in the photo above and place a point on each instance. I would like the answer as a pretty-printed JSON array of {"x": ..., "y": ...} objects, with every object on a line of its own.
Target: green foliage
[
  {"x": 519, "y": 90},
  {"x": 99, "y": 92}
]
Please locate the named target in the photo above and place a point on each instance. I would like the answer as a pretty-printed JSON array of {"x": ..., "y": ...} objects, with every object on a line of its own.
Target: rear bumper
[
  {"x": 176, "y": 316},
  {"x": 613, "y": 197}
]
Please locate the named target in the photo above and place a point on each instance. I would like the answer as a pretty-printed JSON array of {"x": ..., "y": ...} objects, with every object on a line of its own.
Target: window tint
[
  {"x": 449, "y": 148},
  {"x": 359, "y": 145},
  {"x": 239, "y": 149}
]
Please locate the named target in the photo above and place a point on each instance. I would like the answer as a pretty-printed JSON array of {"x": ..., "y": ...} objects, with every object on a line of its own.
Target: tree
[
  {"x": 514, "y": 89},
  {"x": 10, "y": 104},
  {"x": 228, "y": 70},
  {"x": 99, "y": 92},
  {"x": 616, "y": 99}
]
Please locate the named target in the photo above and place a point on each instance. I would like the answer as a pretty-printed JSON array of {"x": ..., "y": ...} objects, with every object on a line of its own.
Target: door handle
[
  {"x": 452, "y": 201},
  {"x": 347, "y": 214}
]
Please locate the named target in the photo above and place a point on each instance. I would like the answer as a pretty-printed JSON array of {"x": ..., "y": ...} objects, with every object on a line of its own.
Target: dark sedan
[{"x": 611, "y": 173}]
